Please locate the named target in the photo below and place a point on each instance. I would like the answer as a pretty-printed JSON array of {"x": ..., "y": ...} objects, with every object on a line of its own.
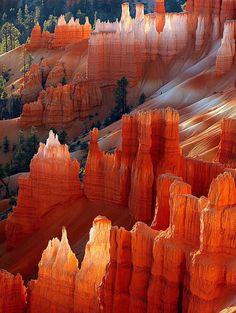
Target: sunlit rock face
[
  {"x": 60, "y": 106},
  {"x": 226, "y": 53},
  {"x": 227, "y": 148},
  {"x": 128, "y": 44},
  {"x": 190, "y": 265},
  {"x": 61, "y": 286},
  {"x": 150, "y": 147},
  {"x": 12, "y": 293},
  {"x": 65, "y": 33},
  {"x": 53, "y": 179}
]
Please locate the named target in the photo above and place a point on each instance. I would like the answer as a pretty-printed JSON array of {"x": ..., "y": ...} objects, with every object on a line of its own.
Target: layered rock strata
[
  {"x": 12, "y": 293},
  {"x": 60, "y": 106},
  {"x": 32, "y": 84},
  {"x": 188, "y": 267},
  {"x": 227, "y": 148},
  {"x": 226, "y": 53},
  {"x": 150, "y": 147},
  {"x": 65, "y": 34},
  {"x": 53, "y": 179},
  {"x": 129, "y": 44},
  {"x": 61, "y": 286}
]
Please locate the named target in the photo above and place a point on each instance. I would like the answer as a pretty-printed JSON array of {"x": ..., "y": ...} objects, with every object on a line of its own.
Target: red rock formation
[
  {"x": 32, "y": 84},
  {"x": 56, "y": 75},
  {"x": 128, "y": 176},
  {"x": 189, "y": 266},
  {"x": 225, "y": 8},
  {"x": 61, "y": 286},
  {"x": 227, "y": 148},
  {"x": 65, "y": 34},
  {"x": 60, "y": 106},
  {"x": 173, "y": 274},
  {"x": 218, "y": 254},
  {"x": 13, "y": 293},
  {"x": 226, "y": 53},
  {"x": 161, "y": 219},
  {"x": 142, "y": 176},
  {"x": 160, "y": 15},
  {"x": 53, "y": 179}
]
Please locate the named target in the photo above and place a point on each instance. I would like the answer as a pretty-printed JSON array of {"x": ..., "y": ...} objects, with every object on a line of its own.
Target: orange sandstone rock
[
  {"x": 60, "y": 106},
  {"x": 53, "y": 180},
  {"x": 226, "y": 53},
  {"x": 65, "y": 34},
  {"x": 12, "y": 293},
  {"x": 160, "y": 15},
  {"x": 32, "y": 84},
  {"x": 227, "y": 148},
  {"x": 63, "y": 287},
  {"x": 150, "y": 147}
]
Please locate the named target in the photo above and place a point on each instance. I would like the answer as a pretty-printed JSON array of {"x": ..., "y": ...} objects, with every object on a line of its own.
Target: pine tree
[
  {"x": 6, "y": 145},
  {"x": 121, "y": 94}
]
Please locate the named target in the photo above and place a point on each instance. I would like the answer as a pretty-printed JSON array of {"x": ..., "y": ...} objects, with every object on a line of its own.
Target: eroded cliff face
[
  {"x": 188, "y": 267},
  {"x": 32, "y": 84},
  {"x": 65, "y": 34},
  {"x": 226, "y": 53},
  {"x": 132, "y": 43},
  {"x": 61, "y": 286},
  {"x": 150, "y": 147},
  {"x": 227, "y": 147},
  {"x": 140, "y": 48},
  {"x": 53, "y": 180},
  {"x": 60, "y": 106},
  {"x": 13, "y": 293}
]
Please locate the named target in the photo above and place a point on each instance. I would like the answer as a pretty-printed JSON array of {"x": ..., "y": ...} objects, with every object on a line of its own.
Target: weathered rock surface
[
  {"x": 32, "y": 84},
  {"x": 150, "y": 147},
  {"x": 226, "y": 53},
  {"x": 65, "y": 34},
  {"x": 60, "y": 106},
  {"x": 190, "y": 266},
  {"x": 227, "y": 148},
  {"x": 12, "y": 293},
  {"x": 53, "y": 180},
  {"x": 61, "y": 286}
]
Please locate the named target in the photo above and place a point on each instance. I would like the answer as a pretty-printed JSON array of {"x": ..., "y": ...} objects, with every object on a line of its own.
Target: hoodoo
[{"x": 53, "y": 180}]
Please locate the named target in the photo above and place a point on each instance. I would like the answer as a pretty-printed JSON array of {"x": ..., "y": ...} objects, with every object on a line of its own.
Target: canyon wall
[
  {"x": 13, "y": 293},
  {"x": 60, "y": 106},
  {"x": 68, "y": 288},
  {"x": 129, "y": 44},
  {"x": 188, "y": 267},
  {"x": 53, "y": 180},
  {"x": 227, "y": 148},
  {"x": 150, "y": 147},
  {"x": 226, "y": 53},
  {"x": 123, "y": 48},
  {"x": 65, "y": 34}
]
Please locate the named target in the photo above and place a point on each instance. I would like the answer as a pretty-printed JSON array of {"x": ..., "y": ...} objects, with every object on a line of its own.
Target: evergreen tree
[
  {"x": 6, "y": 145},
  {"x": 142, "y": 98},
  {"x": 5, "y": 172},
  {"x": 3, "y": 94},
  {"x": 62, "y": 136},
  {"x": 10, "y": 36},
  {"x": 121, "y": 94}
]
